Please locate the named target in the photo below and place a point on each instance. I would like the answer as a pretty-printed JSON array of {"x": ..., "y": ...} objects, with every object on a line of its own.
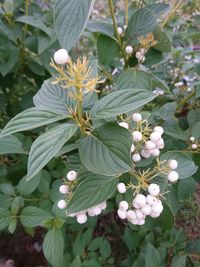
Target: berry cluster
[
  {"x": 140, "y": 55},
  {"x": 148, "y": 204},
  {"x": 66, "y": 189},
  {"x": 194, "y": 143}
]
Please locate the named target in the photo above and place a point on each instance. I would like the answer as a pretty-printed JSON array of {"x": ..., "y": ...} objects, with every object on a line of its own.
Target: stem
[
  {"x": 172, "y": 13},
  {"x": 111, "y": 6},
  {"x": 26, "y": 14},
  {"x": 185, "y": 100},
  {"x": 126, "y": 7}
]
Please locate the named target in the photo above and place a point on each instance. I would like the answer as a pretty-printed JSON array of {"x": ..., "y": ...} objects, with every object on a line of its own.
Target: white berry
[
  {"x": 136, "y": 117},
  {"x": 140, "y": 200},
  {"x": 159, "y": 129},
  {"x": 160, "y": 143},
  {"x": 137, "y": 136},
  {"x": 121, "y": 188},
  {"x": 155, "y": 152},
  {"x": 81, "y": 218},
  {"x": 173, "y": 176},
  {"x": 62, "y": 204},
  {"x": 122, "y": 214},
  {"x": 154, "y": 214},
  {"x": 136, "y": 157},
  {"x": 155, "y": 136},
  {"x": 120, "y": 31},
  {"x": 129, "y": 50},
  {"x": 158, "y": 207},
  {"x": 63, "y": 189},
  {"x": 151, "y": 200},
  {"x": 71, "y": 176},
  {"x": 145, "y": 154},
  {"x": 192, "y": 139},
  {"x": 103, "y": 205},
  {"x": 139, "y": 214},
  {"x": 173, "y": 164},
  {"x": 141, "y": 222},
  {"x": 138, "y": 55},
  {"x": 150, "y": 145},
  {"x": 146, "y": 210},
  {"x": 123, "y": 124},
  {"x": 194, "y": 146},
  {"x": 123, "y": 205},
  {"x": 61, "y": 56},
  {"x": 154, "y": 189},
  {"x": 131, "y": 215}
]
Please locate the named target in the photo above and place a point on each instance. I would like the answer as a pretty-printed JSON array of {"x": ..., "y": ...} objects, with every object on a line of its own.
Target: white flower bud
[
  {"x": 141, "y": 222},
  {"x": 62, "y": 204},
  {"x": 173, "y": 176},
  {"x": 155, "y": 136},
  {"x": 154, "y": 214},
  {"x": 138, "y": 55},
  {"x": 123, "y": 124},
  {"x": 71, "y": 176},
  {"x": 120, "y": 31},
  {"x": 103, "y": 205},
  {"x": 151, "y": 200},
  {"x": 155, "y": 152},
  {"x": 158, "y": 207},
  {"x": 136, "y": 117},
  {"x": 145, "y": 154},
  {"x": 194, "y": 146},
  {"x": 123, "y": 205},
  {"x": 63, "y": 189},
  {"x": 173, "y": 164},
  {"x": 61, "y": 56},
  {"x": 121, "y": 188},
  {"x": 129, "y": 50},
  {"x": 153, "y": 189},
  {"x": 135, "y": 221},
  {"x": 146, "y": 210},
  {"x": 137, "y": 136},
  {"x": 192, "y": 139},
  {"x": 121, "y": 214},
  {"x": 81, "y": 218},
  {"x": 160, "y": 144},
  {"x": 140, "y": 199},
  {"x": 139, "y": 214},
  {"x": 136, "y": 157},
  {"x": 159, "y": 129},
  {"x": 131, "y": 215},
  {"x": 150, "y": 145}
]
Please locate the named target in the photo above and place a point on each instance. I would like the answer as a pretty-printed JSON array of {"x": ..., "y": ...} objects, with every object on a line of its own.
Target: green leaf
[
  {"x": 141, "y": 23},
  {"x": 179, "y": 261},
  {"x": 107, "y": 49},
  {"x": 92, "y": 191},
  {"x": 186, "y": 188},
  {"x": 152, "y": 256},
  {"x": 159, "y": 8},
  {"x": 175, "y": 132},
  {"x": 101, "y": 27},
  {"x": 35, "y": 22},
  {"x": 74, "y": 14},
  {"x": 186, "y": 167},
  {"x": 12, "y": 54},
  {"x": 47, "y": 145},
  {"x": 53, "y": 96},
  {"x": 53, "y": 247},
  {"x": 11, "y": 145},
  {"x": 107, "y": 150},
  {"x": 27, "y": 187},
  {"x": 4, "y": 218},
  {"x": 121, "y": 101},
  {"x": 195, "y": 130},
  {"x": 163, "y": 41},
  {"x": 12, "y": 225},
  {"x": 30, "y": 119},
  {"x": 7, "y": 189},
  {"x": 134, "y": 78},
  {"x": 76, "y": 262},
  {"x": 32, "y": 216}
]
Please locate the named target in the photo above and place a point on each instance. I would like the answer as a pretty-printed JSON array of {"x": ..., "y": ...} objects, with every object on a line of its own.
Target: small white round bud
[
  {"x": 137, "y": 136},
  {"x": 141, "y": 222},
  {"x": 120, "y": 31},
  {"x": 71, "y": 176},
  {"x": 155, "y": 136},
  {"x": 136, "y": 117},
  {"x": 150, "y": 145},
  {"x": 81, "y": 218},
  {"x": 62, "y": 204},
  {"x": 91, "y": 212},
  {"x": 132, "y": 148},
  {"x": 103, "y": 205},
  {"x": 97, "y": 209},
  {"x": 159, "y": 129},
  {"x": 136, "y": 157},
  {"x": 154, "y": 214},
  {"x": 155, "y": 152},
  {"x": 121, "y": 188},
  {"x": 173, "y": 164},
  {"x": 123, "y": 124},
  {"x": 138, "y": 55},
  {"x": 139, "y": 214},
  {"x": 153, "y": 189},
  {"x": 123, "y": 205},
  {"x": 61, "y": 56},
  {"x": 192, "y": 139},
  {"x": 146, "y": 210},
  {"x": 145, "y": 154},
  {"x": 130, "y": 215},
  {"x": 63, "y": 189},
  {"x": 151, "y": 200},
  {"x": 194, "y": 146},
  {"x": 129, "y": 50},
  {"x": 121, "y": 214},
  {"x": 158, "y": 207},
  {"x": 160, "y": 143},
  {"x": 173, "y": 176},
  {"x": 140, "y": 199}
]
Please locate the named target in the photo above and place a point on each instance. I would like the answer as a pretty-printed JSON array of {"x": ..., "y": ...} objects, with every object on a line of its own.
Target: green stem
[{"x": 126, "y": 7}]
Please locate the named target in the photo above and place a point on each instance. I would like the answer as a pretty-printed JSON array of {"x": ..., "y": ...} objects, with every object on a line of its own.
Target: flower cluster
[
  {"x": 66, "y": 189},
  {"x": 148, "y": 203}
]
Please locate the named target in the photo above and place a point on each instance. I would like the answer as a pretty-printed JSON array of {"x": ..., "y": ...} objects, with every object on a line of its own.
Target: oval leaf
[
  {"x": 4, "y": 218},
  {"x": 11, "y": 145},
  {"x": 121, "y": 101},
  {"x": 107, "y": 150},
  {"x": 92, "y": 191},
  {"x": 46, "y": 146}
]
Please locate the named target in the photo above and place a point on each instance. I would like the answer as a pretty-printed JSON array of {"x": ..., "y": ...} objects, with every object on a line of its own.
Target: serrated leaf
[
  {"x": 186, "y": 167},
  {"x": 92, "y": 191},
  {"x": 31, "y": 119},
  {"x": 53, "y": 247},
  {"x": 47, "y": 145},
  {"x": 121, "y": 101},
  {"x": 107, "y": 150},
  {"x": 78, "y": 12},
  {"x": 32, "y": 216},
  {"x": 53, "y": 96},
  {"x": 11, "y": 145},
  {"x": 4, "y": 218}
]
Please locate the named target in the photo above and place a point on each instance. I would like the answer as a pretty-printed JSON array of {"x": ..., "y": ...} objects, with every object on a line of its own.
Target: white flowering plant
[{"x": 125, "y": 135}]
